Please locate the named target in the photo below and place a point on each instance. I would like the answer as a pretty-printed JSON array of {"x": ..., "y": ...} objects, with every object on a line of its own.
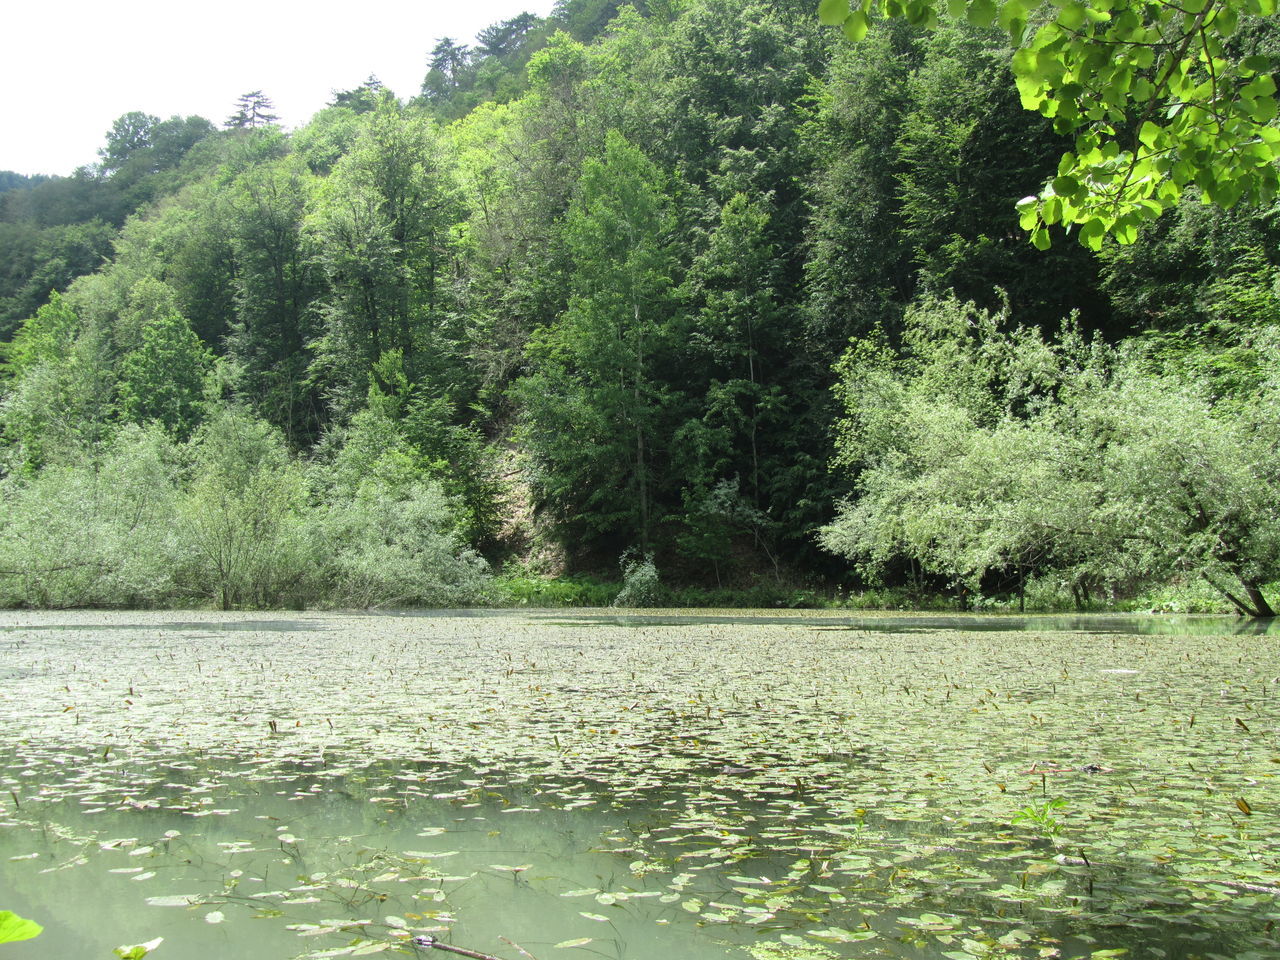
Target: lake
[{"x": 773, "y": 785}]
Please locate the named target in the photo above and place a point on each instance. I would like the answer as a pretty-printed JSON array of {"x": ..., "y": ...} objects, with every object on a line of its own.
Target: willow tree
[{"x": 987, "y": 451}]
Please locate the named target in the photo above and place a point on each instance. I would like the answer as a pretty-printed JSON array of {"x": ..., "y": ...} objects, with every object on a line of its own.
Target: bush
[
  {"x": 96, "y": 532},
  {"x": 640, "y": 584},
  {"x": 244, "y": 516},
  {"x": 388, "y": 535},
  {"x": 397, "y": 547}
]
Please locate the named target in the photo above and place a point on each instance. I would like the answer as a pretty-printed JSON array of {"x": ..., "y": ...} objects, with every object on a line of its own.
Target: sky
[{"x": 69, "y": 69}]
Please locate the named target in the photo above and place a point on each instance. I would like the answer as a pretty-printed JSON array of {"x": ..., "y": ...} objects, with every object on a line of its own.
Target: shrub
[
  {"x": 397, "y": 547},
  {"x": 95, "y": 532},
  {"x": 640, "y": 584},
  {"x": 243, "y": 515}
]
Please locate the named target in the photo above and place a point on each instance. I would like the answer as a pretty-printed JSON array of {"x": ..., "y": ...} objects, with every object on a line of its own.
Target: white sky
[{"x": 68, "y": 69}]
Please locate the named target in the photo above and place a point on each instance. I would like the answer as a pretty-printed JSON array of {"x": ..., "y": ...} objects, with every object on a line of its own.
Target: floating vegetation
[{"x": 345, "y": 786}]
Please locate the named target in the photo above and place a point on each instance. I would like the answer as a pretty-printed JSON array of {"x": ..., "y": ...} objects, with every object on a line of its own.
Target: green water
[{"x": 559, "y": 785}]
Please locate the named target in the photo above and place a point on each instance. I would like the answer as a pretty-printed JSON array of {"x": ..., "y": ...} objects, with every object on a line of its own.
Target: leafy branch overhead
[{"x": 1160, "y": 97}]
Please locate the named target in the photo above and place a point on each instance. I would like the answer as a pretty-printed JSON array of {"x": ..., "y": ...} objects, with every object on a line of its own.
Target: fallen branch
[
  {"x": 431, "y": 943},
  {"x": 519, "y": 949}
]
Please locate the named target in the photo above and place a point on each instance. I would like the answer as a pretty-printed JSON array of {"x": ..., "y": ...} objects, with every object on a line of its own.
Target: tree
[
  {"x": 382, "y": 226},
  {"x": 390, "y": 534},
  {"x": 1160, "y": 97},
  {"x": 242, "y": 513},
  {"x": 449, "y": 75},
  {"x": 276, "y": 286},
  {"x": 501, "y": 39},
  {"x": 95, "y": 530},
  {"x": 363, "y": 99},
  {"x": 594, "y": 401},
  {"x": 164, "y": 379},
  {"x": 253, "y": 110},
  {"x": 129, "y": 134}
]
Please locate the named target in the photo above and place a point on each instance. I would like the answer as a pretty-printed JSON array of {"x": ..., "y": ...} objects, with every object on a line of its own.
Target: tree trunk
[
  {"x": 642, "y": 477},
  {"x": 1261, "y": 609},
  {"x": 1255, "y": 607}
]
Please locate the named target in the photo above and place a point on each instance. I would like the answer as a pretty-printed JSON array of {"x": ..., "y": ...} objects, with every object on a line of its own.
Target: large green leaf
[{"x": 14, "y": 928}]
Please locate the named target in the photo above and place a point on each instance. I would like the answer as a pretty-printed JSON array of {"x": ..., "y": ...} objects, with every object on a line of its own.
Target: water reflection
[{"x": 1126, "y": 624}]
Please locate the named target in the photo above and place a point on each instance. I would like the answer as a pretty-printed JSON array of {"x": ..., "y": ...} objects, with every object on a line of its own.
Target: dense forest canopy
[{"x": 691, "y": 280}]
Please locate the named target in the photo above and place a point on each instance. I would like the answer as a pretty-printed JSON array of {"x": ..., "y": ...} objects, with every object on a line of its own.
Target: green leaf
[
  {"x": 14, "y": 928},
  {"x": 1149, "y": 134},
  {"x": 1013, "y": 16},
  {"x": 1263, "y": 110},
  {"x": 982, "y": 13},
  {"x": 1026, "y": 63},
  {"x": 137, "y": 951},
  {"x": 1091, "y": 234},
  {"x": 1065, "y": 186},
  {"x": 833, "y": 12},
  {"x": 1029, "y": 216},
  {"x": 1072, "y": 16},
  {"x": 855, "y": 26}
]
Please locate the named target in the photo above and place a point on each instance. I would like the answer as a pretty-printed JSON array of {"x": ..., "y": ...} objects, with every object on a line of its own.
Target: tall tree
[
  {"x": 595, "y": 401},
  {"x": 276, "y": 288},
  {"x": 383, "y": 225}
]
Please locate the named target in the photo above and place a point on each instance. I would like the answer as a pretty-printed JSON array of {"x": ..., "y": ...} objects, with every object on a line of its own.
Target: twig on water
[
  {"x": 519, "y": 949},
  {"x": 431, "y": 943}
]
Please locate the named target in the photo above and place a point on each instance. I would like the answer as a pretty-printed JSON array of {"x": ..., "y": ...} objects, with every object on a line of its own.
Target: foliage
[
  {"x": 242, "y": 514},
  {"x": 253, "y": 109},
  {"x": 381, "y": 224},
  {"x": 1159, "y": 97},
  {"x": 1042, "y": 816},
  {"x": 62, "y": 398},
  {"x": 164, "y": 379},
  {"x": 597, "y": 276},
  {"x": 396, "y": 547},
  {"x": 389, "y": 536},
  {"x": 534, "y": 591},
  {"x": 594, "y": 402}
]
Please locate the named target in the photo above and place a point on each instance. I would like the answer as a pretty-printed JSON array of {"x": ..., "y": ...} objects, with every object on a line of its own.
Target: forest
[{"x": 681, "y": 301}]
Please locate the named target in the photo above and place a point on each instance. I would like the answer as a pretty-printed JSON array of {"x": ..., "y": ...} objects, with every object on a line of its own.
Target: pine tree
[{"x": 253, "y": 110}]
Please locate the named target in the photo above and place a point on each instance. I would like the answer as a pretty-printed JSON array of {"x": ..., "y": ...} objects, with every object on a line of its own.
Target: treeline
[{"x": 588, "y": 296}]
